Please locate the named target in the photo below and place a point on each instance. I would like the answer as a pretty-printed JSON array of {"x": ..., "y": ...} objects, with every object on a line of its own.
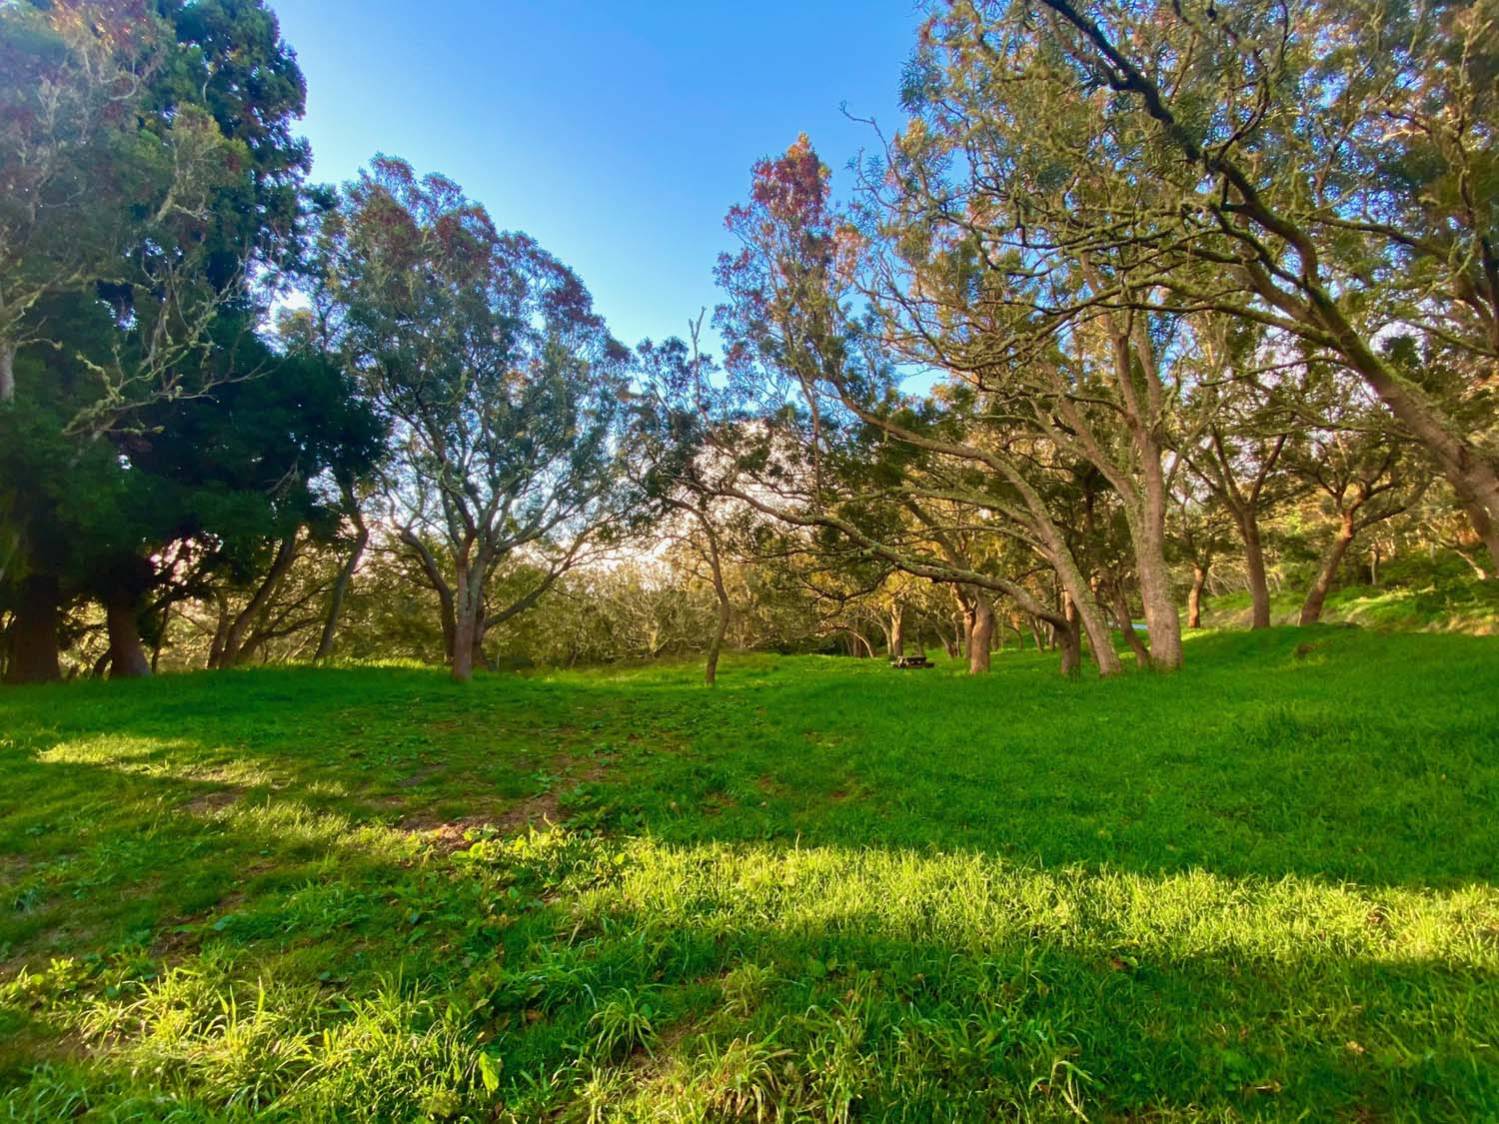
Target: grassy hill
[{"x": 1263, "y": 888}]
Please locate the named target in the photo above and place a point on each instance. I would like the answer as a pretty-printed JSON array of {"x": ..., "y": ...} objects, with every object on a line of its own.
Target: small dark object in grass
[{"x": 902, "y": 663}]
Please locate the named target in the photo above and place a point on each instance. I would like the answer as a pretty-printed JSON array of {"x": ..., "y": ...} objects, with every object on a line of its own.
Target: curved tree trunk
[
  {"x": 127, "y": 655},
  {"x": 33, "y": 650},
  {"x": 341, "y": 587},
  {"x": 1084, "y": 611},
  {"x": 1127, "y": 626},
  {"x": 234, "y": 640},
  {"x": 1316, "y": 597},
  {"x": 1195, "y": 596},
  {"x": 1472, "y": 472}
]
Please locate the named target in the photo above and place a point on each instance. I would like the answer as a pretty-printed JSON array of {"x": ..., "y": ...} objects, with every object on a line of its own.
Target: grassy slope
[
  {"x": 1263, "y": 888},
  {"x": 1445, "y": 600}
]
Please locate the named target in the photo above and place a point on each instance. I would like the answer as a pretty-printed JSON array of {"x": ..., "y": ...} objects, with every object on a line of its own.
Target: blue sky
[{"x": 617, "y": 134}]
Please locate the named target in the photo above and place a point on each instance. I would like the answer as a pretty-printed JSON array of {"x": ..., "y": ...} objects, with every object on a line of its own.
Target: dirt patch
[
  {"x": 208, "y": 803},
  {"x": 420, "y": 777},
  {"x": 451, "y": 835},
  {"x": 544, "y": 808}
]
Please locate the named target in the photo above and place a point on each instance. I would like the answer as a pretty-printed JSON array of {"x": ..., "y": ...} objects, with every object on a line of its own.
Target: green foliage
[{"x": 824, "y": 891}]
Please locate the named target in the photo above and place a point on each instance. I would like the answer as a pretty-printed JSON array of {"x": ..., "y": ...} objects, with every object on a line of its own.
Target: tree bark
[
  {"x": 160, "y": 640},
  {"x": 721, "y": 626},
  {"x": 33, "y": 651},
  {"x": 1195, "y": 596},
  {"x": 1316, "y": 597},
  {"x": 897, "y": 631},
  {"x": 127, "y": 655},
  {"x": 341, "y": 584},
  {"x": 468, "y": 607},
  {"x": 1473, "y": 475},
  {"x": 1162, "y": 620},
  {"x": 1069, "y": 638},
  {"x": 980, "y": 621},
  {"x": 1254, "y": 569},
  {"x": 7, "y": 371},
  {"x": 1127, "y": 626}
]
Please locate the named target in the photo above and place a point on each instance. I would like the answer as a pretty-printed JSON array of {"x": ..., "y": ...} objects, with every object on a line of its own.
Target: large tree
[
  {"x": 1325, "y": 169},
  {"x": 503, "y": 389}
]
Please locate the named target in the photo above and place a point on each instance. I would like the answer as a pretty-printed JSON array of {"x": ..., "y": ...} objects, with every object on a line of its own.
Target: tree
[
  {"x": 790, "y": 332},
  {"x": 1323, "y": 170},
  {"x": 1363, "y": 472},
  {"x": 503, "y": 389}
]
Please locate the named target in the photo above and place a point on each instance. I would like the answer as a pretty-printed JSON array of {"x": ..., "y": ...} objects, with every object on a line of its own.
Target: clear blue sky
[{"x": 617, "y": 134}]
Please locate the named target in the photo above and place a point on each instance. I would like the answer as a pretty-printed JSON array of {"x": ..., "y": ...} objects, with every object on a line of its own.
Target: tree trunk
[
  {"x": 1254, "y": 570},
  {"x": 1194, "y": 598},
  {"x": 1316, "y": 597},
  {"x": 127, "y": 656},
  {"x": 33, "y": 651},
  {"x": 467, "y": 609},
  {"x": 7, "y": 371},
  {"x": 980, "y": 634},
  {"x": 160, "y": 641},
  {"x": 1472, "y": 473},
  {"x": 234, "y": 639},
  {"x": 1127, "y": 626},
  {"x": 721, "y": 591},
  {"x": 1162, "y": 621},
  {"x": 1085, "y": 606},
  {"x": 341, "y": 585},
  {"x": 220, "y": 631},
  {"x": 897, "y": 631},
  {"x": 1069, "y": 637}
]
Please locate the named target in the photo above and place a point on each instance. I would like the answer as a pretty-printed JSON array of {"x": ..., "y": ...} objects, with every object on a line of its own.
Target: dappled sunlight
[
  {"x": 978, "y": 904},
  {"x": 161, "y": 759}
]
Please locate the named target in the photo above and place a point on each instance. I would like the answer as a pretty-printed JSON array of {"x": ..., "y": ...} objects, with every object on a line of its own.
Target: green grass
[
  {"x": 1260, "y": 889},
  {"x": 1414, "y": 598}
]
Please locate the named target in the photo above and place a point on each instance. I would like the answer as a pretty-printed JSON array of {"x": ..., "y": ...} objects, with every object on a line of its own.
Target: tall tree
[
  {"x": 503, "y": 389},
  {"x": 1324, "y": 169}
]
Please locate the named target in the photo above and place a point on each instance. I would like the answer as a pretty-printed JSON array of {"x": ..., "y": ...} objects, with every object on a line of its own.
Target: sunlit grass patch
[{"x": 1260, "y": 889}]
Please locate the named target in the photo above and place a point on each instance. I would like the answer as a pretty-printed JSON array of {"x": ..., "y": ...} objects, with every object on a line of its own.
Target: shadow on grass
[
  {"x": 823, "y": 887},
  {"x": 1328, "y": 752}
]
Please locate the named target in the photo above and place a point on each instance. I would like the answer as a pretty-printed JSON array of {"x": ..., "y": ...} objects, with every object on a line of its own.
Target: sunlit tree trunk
[
  {"x": 1195, "y": 595},
  {"x": 467, "y": 607}
]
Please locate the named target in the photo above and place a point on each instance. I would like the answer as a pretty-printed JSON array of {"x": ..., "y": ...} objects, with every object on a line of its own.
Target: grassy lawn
[{"x": 1261, "y": 889}]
